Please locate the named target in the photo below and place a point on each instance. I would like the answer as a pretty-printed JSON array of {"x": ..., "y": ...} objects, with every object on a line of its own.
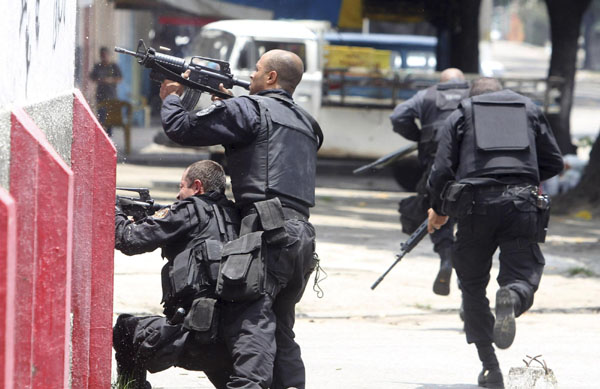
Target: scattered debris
[{"x": 532, "y": 377}]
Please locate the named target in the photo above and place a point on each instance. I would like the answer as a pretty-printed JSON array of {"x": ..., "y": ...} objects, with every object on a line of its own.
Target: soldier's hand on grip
[
  {"x": 222, "y": 89},
  {"x": 435, "y": 221}
]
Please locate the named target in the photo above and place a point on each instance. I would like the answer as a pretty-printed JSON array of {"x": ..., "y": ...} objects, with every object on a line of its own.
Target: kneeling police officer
[
  {"x": 191, "y": 233},
  {"x": 493, "y": 152}
]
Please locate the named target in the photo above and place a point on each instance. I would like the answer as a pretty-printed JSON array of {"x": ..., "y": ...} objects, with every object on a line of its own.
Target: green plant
[{"x": 580, "y": 271}]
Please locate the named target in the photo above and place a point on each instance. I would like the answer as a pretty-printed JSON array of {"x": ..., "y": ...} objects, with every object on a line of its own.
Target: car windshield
[{"x": 215, "y": 44}]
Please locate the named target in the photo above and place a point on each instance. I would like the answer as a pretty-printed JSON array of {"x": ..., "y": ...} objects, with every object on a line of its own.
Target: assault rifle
[
  {"x": 405, "y": 248},
  {"x": 202, "y": 78},
  {"x": 138, "y": 207}
]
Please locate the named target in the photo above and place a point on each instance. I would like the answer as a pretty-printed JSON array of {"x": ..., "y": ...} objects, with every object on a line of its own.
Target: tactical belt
[
  {"x": 288, "y": 213},
  {"x": 502, "y": 188}
]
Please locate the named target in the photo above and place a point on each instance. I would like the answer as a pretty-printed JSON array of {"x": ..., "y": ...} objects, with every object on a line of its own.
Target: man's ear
[
  {"x": 272, "y": 79},
  {"x": 198, "y": 187}
]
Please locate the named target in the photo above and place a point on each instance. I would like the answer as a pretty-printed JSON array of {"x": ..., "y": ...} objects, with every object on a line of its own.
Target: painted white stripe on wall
[{"x": 4, "y": 147}]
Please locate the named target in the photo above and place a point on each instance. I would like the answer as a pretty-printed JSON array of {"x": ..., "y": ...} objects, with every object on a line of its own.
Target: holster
[
  {"x": 531, "y": 201},
  {"x": 542, "y": 202},
  {"x": 203, "y": 320},
  {"x": 243, "y": 269},
  {"x": 457, "y": 199}
]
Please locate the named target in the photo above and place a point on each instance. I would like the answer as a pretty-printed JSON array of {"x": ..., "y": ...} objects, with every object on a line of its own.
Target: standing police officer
[
  {"x": 492, "y": 154},
  {"x": 431, "y": 106},
  {"x": 190, "y": 229},
  {"x": 271, "y": 146}
]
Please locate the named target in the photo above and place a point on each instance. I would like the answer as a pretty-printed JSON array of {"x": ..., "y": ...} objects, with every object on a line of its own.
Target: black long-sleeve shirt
[
  {"x": 550, "y": 162},
  {"x": 226, "y": 122}
]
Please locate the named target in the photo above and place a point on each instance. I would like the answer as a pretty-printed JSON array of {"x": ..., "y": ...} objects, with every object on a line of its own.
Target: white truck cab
[
  {"x": 354, "y": 131},
  {"x": 242, "y": 42}
]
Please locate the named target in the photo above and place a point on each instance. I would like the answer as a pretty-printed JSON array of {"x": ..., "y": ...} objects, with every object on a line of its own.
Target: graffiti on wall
[
  {"x": 24, "y": 32},
  {"x": 41, "y": 25},
  {"x": 60, "y": 11}
]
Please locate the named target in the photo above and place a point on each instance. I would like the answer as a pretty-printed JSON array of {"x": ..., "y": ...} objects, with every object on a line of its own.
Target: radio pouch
[
  {"x": 210, "y": 253},
  {"x": 243, "y": 269},
  {"x": 457, "y": 199},
  {"x": 203, "y": 320},
  {"x": 184, "y": 273}
]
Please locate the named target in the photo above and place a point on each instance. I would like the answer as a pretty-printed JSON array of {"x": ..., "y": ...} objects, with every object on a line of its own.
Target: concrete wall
[{"x": 37, "y": 71}]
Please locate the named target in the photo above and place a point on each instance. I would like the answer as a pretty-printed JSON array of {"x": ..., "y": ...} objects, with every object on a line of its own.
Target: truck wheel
[{"x": 407, "y": 171}]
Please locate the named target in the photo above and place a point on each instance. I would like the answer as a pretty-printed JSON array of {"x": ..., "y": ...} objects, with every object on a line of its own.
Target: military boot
[
  {"x": 491, "y": 378},
  {"x": 441, "y": 285},
  {"x": 505, "y": 327}
]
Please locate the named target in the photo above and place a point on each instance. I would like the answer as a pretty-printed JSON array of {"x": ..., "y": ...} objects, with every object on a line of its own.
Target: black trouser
[
  {"x": 260, "y": 334},
  {"x": 151, "y": 343},
  {"x": 291, "y": 270},
  {"x": 504, "y": 219},
  {"x": 249, "y": 333}
]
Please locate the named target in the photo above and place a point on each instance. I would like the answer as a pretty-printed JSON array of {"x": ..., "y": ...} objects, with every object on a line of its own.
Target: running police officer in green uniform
[
  {"x": 191, "y": 233},
  {"x": 431, "y": 106},
  {"x": 492, "y": 155},
  {"x": 271, "y": 146}
]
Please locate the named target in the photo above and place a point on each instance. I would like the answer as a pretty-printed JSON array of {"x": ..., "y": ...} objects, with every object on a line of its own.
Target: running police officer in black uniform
[
  {"x": 271, "y": 146},
  {"x": 431, "y": 106},
  {"x": 492, "y": 154},
  {"x": 191, "y": 233}
]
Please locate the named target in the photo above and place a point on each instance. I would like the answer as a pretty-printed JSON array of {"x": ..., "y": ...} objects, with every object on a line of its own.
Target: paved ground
[{"x": 400, "y": 335}]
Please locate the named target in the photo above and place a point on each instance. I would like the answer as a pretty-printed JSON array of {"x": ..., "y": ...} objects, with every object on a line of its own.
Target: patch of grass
[
  {"x": 325, "y": 198},
  {"x": 123, "y": 382},
  {"x": 580, "y": 271}
]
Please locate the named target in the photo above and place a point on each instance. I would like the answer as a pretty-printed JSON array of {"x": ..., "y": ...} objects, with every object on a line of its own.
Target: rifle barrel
[
  {"x": 125, "y": 51},
  {"x": 398, "y": 258},
  {"x": 405, "y": 248}
]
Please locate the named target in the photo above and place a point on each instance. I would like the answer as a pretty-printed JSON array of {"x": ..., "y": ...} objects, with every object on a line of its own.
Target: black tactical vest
[
  {"x": 280, "y": 161},
  {"x": 193, "y": 260},
  {"x": 438, "y": 103},
  {"x": 498, "y": 137},
  {"x": 222, "y": 222}
]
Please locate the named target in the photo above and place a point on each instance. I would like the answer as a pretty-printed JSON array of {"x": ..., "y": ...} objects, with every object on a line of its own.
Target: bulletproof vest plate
[
  {"x": 448, "y": 100},
  {"x": 500, "y": 126}
]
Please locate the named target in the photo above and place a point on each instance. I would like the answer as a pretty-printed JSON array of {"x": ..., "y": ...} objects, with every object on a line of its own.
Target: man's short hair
[
  {"x": 289, "y": 68},
  {"x": 210, "y": 173},
  {"x": 103, "y": 50},
  {"x": 484, "y": 85}
]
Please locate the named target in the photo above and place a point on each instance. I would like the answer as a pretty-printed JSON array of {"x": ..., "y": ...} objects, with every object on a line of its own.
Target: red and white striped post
[
  {"x": 93, "y": 160},
  {"x": 42, "y": 187},
  {"x": 8, "y": 253}
]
